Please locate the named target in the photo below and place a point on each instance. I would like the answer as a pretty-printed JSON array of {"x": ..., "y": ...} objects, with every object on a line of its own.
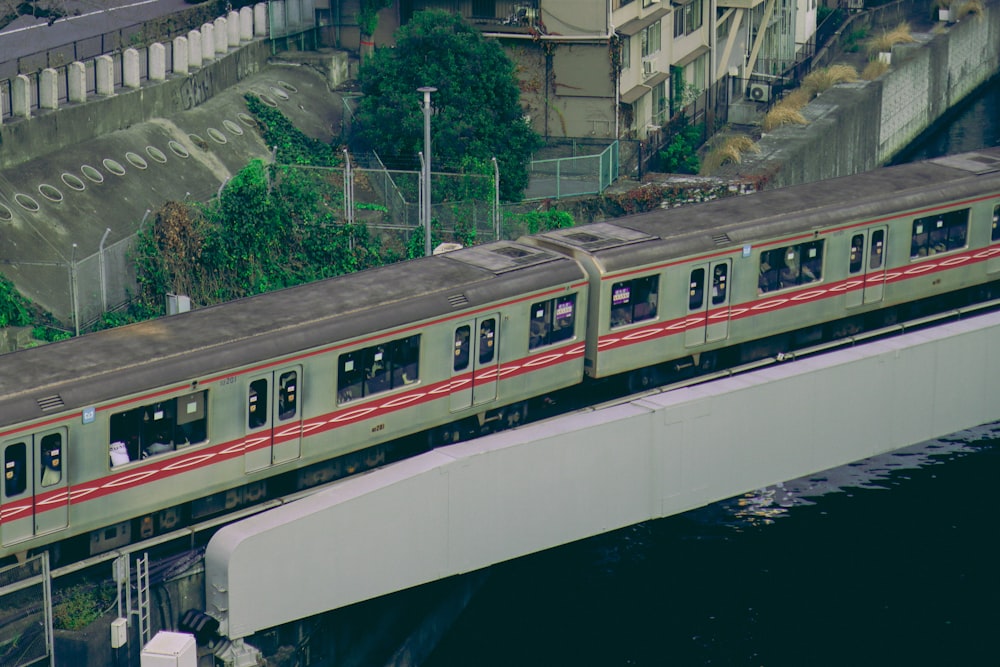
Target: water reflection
[{"x": 763, "y": 506}]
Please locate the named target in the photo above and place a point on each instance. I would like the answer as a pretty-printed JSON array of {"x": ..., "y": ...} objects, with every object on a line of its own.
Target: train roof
[
  {"x": 647, "y": 238},
  {"x": 173, "y": 350}
]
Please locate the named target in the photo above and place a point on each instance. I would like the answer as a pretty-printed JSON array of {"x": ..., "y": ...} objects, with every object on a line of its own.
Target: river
[{"x": 889, "y": 561}]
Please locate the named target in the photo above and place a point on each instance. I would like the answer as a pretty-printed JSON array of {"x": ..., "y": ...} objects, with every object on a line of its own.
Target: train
[{"x": 128, "y": 433}]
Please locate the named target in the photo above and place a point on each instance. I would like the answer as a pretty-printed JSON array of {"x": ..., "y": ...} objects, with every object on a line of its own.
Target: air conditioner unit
[
  {"x": 759, "y": 92},
  {"x": 647, "y": 67}
]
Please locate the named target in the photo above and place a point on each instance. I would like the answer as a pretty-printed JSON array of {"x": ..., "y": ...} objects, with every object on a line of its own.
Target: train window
[
  {"x": 552, "y": 321},
  {"x": 940, "y": 232},
  {"x": 462, "y": 336},
  {"x": 257, "y": 404},
  {"x": 719, "y": 280},
  {"x": 995, "y": 234},
  {"x": 158, "y": 428},
  {"x": 487, "y": 338},
  {"x": 878, "y": 249},
  {"x": 696, "y": 289},
  {"x": 51, "y": 451},
  {"x": 378, "y": 368},
  {"x": 857, "y": 252},
  {"x": 15, "y": 464},
  {"x": 790, "y": 266},
  {"x": 634, "y": 300},
  {"x": 287, "y": 395}
]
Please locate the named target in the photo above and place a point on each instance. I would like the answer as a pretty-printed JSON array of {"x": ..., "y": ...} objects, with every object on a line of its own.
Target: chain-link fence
[
  {"x": 464, "y": 209},
  {"x": 102, "y": 282},
  {"x": 573, "y": 176}
]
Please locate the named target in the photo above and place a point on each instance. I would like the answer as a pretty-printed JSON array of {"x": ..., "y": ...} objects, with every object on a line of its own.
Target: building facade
[{"x": 620, "y": 69}]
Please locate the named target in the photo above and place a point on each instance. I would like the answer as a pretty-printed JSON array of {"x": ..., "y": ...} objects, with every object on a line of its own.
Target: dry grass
[
  {"x": 781, "y": 115},
  {"x": 883, "y": 42},
  {"x": 796, "y": 99},
  {"x": 728, "y": 149},
  {"x": 968, "y": 8},
  {"x": 824, "y": 79},
  {"x": 874, "y": 69}
]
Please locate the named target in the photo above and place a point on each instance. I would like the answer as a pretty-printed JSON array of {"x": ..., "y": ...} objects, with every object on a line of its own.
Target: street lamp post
[{"x": 426, "y": 167}]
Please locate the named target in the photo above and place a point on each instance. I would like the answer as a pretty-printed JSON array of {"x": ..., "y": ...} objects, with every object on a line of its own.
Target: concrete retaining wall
[
  {"x": 860, "y": 126},
  {"x": 52, "y": 130}
]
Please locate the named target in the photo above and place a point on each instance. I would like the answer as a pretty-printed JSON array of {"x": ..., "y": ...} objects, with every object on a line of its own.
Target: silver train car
[
  {"x": 746, "y": 277},
  {"x": 127, "y": 433}
]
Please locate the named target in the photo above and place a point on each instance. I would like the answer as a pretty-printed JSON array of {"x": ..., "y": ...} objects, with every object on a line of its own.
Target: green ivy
[
  {"x": 81, "y": 605},
  {"x": 15, "y": 310},
  {"x": 680, "y": 156},
  {"x": 542, "y": 221}
]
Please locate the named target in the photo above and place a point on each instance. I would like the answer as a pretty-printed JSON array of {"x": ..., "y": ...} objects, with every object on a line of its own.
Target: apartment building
[{"x": 611, "y": 69}]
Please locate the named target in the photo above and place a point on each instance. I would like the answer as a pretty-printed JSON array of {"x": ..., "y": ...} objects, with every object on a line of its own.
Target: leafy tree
[
  {"x": 367, "y": 16},
  {"x": 477, "y": 110}
]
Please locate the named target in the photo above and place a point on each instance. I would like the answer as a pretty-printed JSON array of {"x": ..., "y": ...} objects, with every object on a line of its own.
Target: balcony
[{"x": 488, "y": 15}]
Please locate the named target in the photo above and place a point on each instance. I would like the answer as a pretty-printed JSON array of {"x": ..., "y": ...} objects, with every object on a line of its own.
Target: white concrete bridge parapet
[{"x": 464, "y": 507}]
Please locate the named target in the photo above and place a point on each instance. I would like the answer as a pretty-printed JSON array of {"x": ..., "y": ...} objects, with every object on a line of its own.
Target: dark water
[{"x": 890, "y": 561}]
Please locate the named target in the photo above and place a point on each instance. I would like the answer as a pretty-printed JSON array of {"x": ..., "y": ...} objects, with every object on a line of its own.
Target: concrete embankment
[{"x": 856, "y": 127}]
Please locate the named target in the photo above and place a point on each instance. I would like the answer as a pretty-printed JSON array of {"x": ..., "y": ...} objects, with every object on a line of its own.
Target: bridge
[{"x": 464, "y": 507}]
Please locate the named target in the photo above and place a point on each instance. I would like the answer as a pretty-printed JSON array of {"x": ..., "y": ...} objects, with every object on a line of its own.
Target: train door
[
  {"x": 475, "y": 354},
  {"x": 708, "y": 297},
  {"x": 274, "y": 418},
  {"x": 867, "y": 262},
  {"x": 33, "y": 497}
]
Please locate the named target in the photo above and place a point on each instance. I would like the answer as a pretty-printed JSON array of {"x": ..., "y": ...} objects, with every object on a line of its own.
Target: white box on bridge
[{"x": 170, "y": 649}]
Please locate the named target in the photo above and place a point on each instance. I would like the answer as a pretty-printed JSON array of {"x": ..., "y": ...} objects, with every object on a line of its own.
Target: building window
[
  {"x": 650, "y": 39},
  {"x": 626, "y": 52},
  {"x": 688, "y": 18},
  {"x": 661, "y": 111},
  {"x": 940, "y": 232}
]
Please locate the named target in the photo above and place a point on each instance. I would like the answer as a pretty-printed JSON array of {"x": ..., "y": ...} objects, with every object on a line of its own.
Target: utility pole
[{"x": 426, "y": 168}]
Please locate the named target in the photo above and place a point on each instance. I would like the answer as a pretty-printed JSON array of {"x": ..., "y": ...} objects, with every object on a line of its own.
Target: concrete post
[
  {"x": 130, "y": 68},
  {"x": 207, "y": 43},
  {"x": 3, "y": 103},
  {"x": 105, "y": 71},
  {"x": 221, "y": 36},
  {"x": 293, "y": 16},
  {"x": 194, "y": 49},
  {"x": 246, "y": 24},
  {"x": 260, "y": 19},
  {"x": 157, "y": 62},
  {"x": 276, "y": 14},
  {"x": 48, "y": 89},
  {"x": 20, "y": 94},
  {"x": 77, "y": 82},
  {"x": 180, "y": 55},
  {"x": 233, "y": 29}
]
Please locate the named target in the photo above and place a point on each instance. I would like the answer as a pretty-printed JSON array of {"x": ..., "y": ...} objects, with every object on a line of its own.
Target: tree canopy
[{"x": 477, "y": 112}]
